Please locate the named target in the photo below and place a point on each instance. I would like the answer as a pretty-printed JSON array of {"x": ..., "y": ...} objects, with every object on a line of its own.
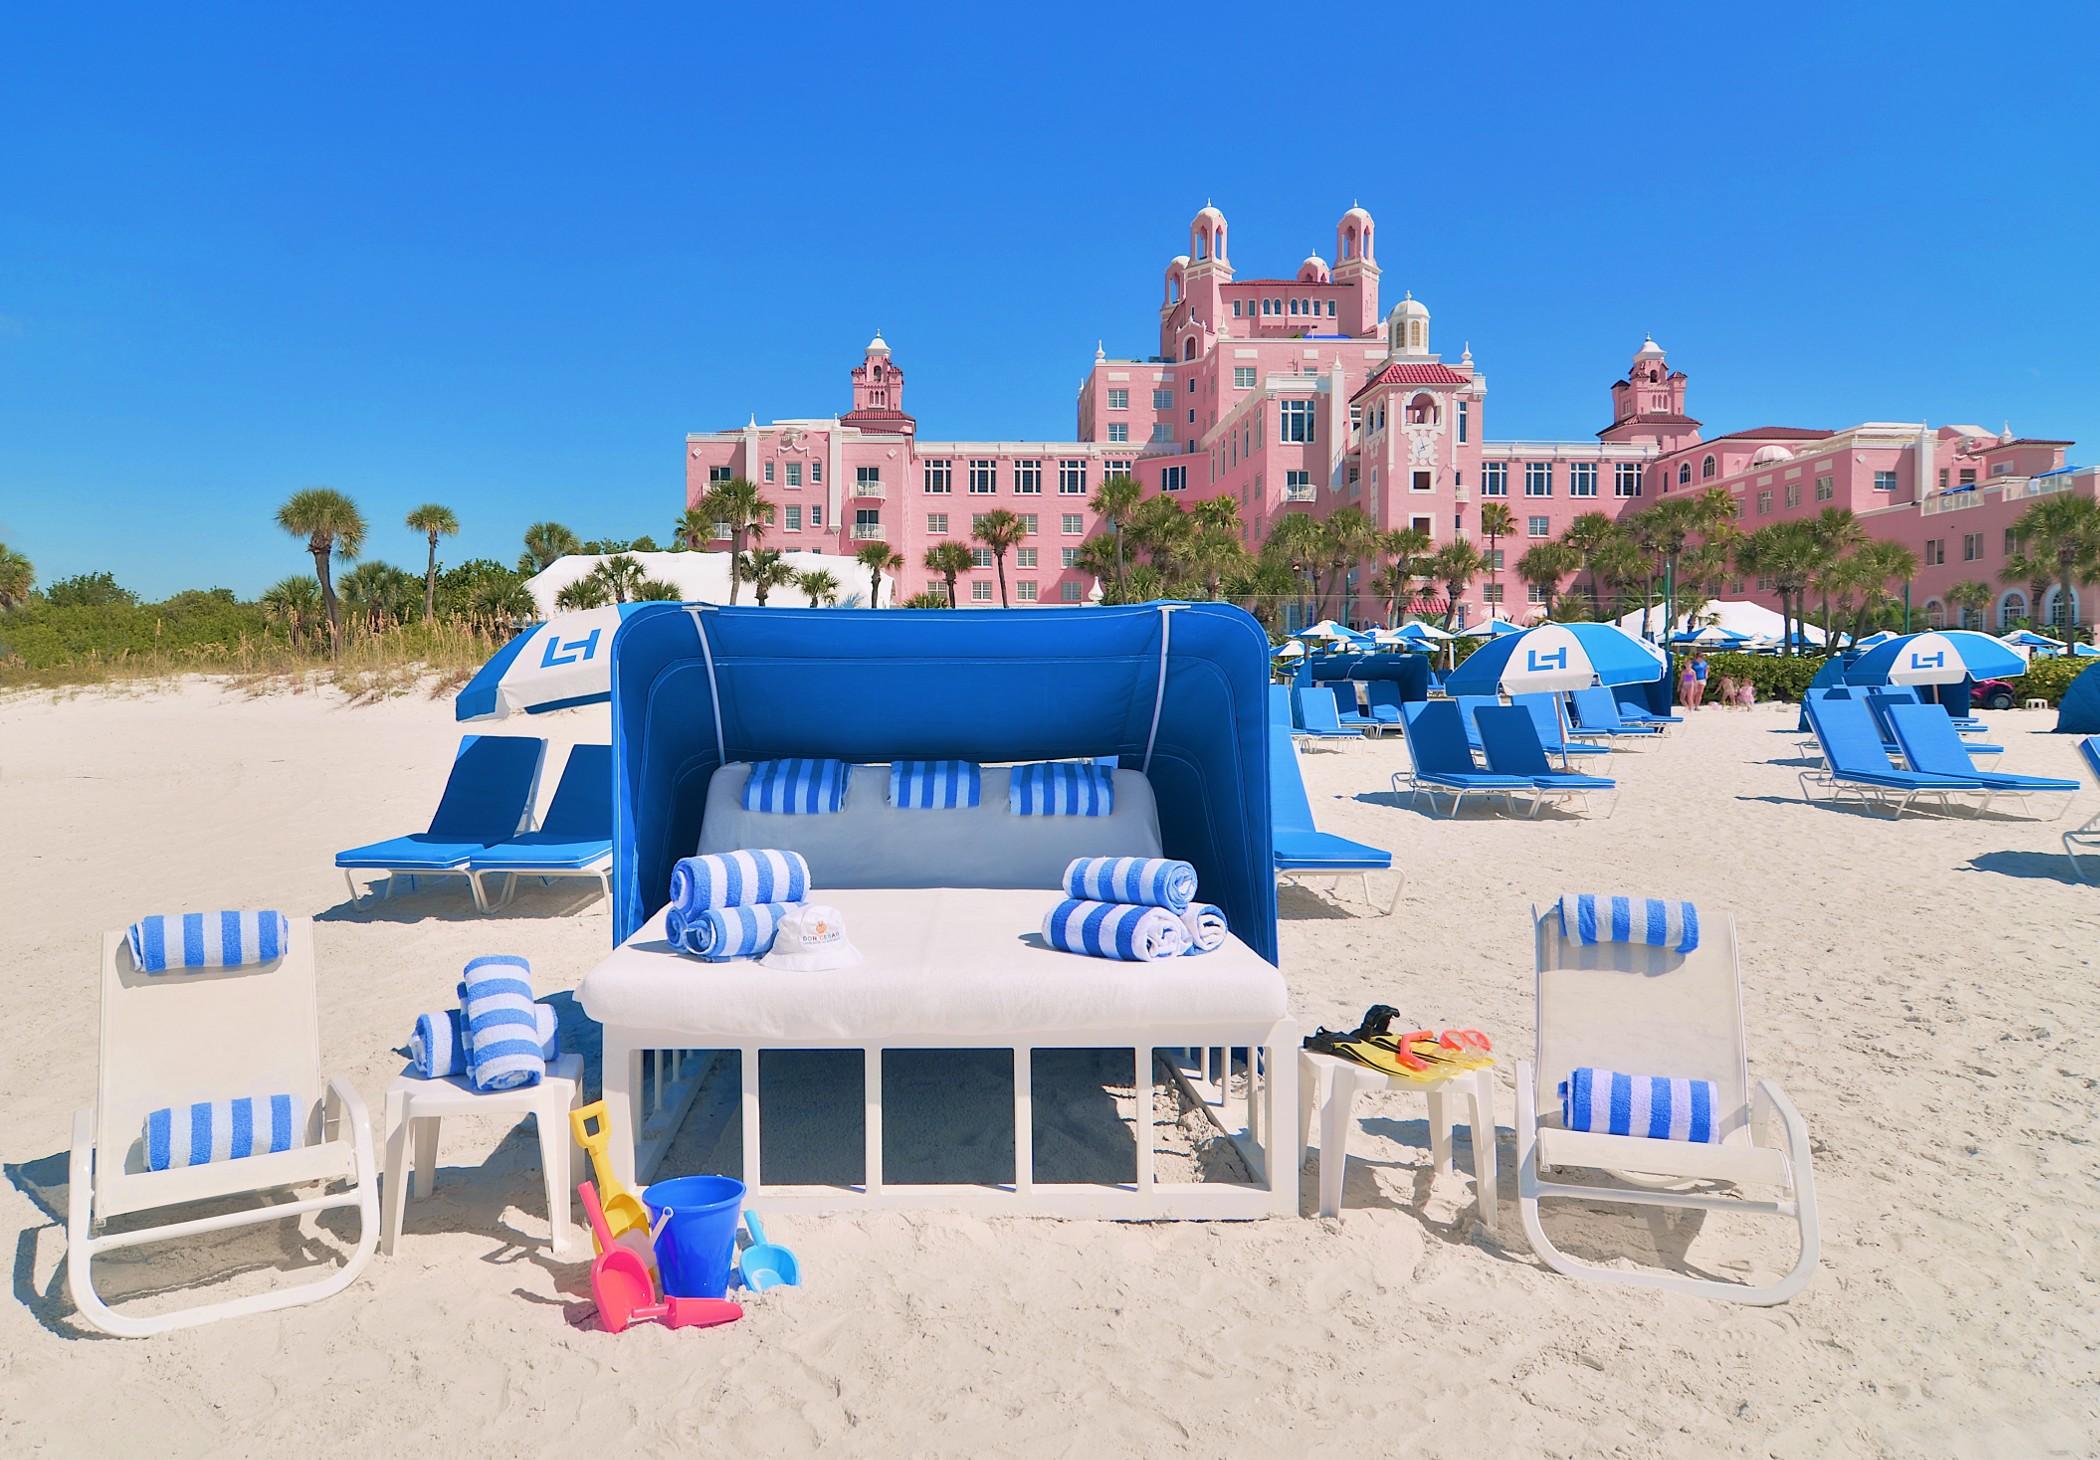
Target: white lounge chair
[
  {"x": 213, "y": 1034},
  {"x": 1644, "y": 1010}
]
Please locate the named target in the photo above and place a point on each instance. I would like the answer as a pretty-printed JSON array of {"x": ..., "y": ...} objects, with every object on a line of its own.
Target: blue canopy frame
[{"x": 1176, "y": 691}]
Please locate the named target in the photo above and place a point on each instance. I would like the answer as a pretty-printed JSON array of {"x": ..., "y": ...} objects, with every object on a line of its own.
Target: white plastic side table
[
  {"x": 414, "y": 1107},
  {"x": 1332, "y": 1084}
]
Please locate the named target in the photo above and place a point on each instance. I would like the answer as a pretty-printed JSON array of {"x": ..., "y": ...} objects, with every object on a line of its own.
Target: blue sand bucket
[{"x": 694, "y": 1220}]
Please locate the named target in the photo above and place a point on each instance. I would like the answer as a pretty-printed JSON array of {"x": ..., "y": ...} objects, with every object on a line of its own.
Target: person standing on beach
[{"x": 1692, "y": 686}]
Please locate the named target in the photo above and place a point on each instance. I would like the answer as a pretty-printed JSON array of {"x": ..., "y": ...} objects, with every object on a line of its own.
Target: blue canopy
[
  {"x": 1942, "y": 657},
  {"x": 1556, "y": 657},
  {"x": 563, "y": 662},
  {"x": 1177, "y": 692}
]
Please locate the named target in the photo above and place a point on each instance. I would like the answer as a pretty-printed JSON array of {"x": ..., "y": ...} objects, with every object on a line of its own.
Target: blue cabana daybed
[{"x": 946, "y": 907}]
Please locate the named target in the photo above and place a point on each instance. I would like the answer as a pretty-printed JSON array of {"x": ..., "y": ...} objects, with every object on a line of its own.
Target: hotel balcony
[
  {"x": 868, "y": 489},
  {"x": 1301, "y": 494},
  {"x": 867, "y": 532}
]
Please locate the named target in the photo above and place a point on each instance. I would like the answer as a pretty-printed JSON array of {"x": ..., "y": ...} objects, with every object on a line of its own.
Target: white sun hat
[{"x": 812, "y": 937}]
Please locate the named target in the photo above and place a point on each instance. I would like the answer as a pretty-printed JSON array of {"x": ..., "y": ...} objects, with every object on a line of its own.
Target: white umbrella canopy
[
  {"x": 1751, "y": 620},
  {"x": 1327, "y": 628}
]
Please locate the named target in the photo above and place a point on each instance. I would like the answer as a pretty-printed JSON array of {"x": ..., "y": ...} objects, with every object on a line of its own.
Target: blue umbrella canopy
[
  {"x": 1946, "y": 657},
  {"x": 563, "y": 662},
  {"x": 1494, "y": 628},
  {"x": 1556, "y": 657}
]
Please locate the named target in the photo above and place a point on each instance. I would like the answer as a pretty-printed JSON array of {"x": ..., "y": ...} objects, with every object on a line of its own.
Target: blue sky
[{"x": 505, "y": 259}]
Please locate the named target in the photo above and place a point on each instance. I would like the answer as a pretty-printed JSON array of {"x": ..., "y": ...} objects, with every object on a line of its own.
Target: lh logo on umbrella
[
  {"x": 1536, "y": 662},
  {"x": 575, "y": 651}
]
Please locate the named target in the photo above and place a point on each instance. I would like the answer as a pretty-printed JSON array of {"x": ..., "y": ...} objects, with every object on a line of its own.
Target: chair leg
[
  {"x": 1486, "y": 1160},
  {"x": 556, "y": 1154},
  {"x": 395, "y": 1180},
  {"x": 424, "y": 1132}
]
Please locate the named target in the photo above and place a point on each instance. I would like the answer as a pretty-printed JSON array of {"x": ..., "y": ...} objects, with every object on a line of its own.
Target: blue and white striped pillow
[
  {"x": 221, "y": 1130},
  {"x": 1590, "y": 918},
  {"x": 1061, "y": 788},
  {"x": 1607, "y": 1102},
  {"x": 797, "y": 787},
  {"x": 935, "y": 785},
  {"x": 186, "y": 942}
]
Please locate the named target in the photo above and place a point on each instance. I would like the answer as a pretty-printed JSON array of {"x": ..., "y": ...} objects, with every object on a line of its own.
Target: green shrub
[{"x": 2047, "y": 679}]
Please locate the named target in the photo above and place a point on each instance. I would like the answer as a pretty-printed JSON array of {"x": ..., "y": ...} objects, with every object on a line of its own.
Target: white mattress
[{"x": 936, "y": 961}]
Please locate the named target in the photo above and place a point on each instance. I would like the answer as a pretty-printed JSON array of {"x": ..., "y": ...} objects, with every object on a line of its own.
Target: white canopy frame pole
[
  {"x": 1159, "y": 692},
  {"x": 714, "y": 691}
]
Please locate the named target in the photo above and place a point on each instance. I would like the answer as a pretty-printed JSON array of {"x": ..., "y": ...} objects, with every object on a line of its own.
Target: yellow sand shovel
[{"x": 626, "y": 1219}]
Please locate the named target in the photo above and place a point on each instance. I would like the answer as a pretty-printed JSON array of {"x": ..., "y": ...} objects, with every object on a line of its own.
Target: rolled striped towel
[
  {"x": 935, "y": 785},
  {"x": 502, "y": 1032},
  {"x": 1206, "y": 927},
  {"x": 1589, "y": 918},
  {"x": 1061, "y": 788},
  {"x": 721, "y": 933},
  {"x": 1123, "y": 930},
  {"x": 738, "y": 879},
  {"x": 1609, "y": 1103},
  {"x": 799, "y": 787},
  {"x": 1153, "y": 881},
  {"x": 221, "y": 1130},
  {"x": 438, "y": 1045},
  {"x": 162, "y": 942}
]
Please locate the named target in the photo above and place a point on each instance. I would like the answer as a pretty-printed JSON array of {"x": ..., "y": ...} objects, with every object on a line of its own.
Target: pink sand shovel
[{"x": 621, "y": 1287}]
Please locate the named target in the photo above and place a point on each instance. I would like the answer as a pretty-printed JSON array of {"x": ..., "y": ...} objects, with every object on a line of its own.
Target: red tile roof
[{"x": 1415, "y": 372}]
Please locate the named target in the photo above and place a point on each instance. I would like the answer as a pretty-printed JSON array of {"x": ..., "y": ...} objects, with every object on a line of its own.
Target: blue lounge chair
[
  {"x": 1280, "y": 706},
  {"x": 574, "y": 838},
  {"x": 2085, "y": 840},
  {"x": 1597, "y": 713},
  {"x": 1908, "y": 694},
  {"x": 1348, "y": 716},
  {"x": 1301, "y": 849},
  {"x": 1633, "y": 707},
  {"x": 1318, "y": 717},
  {"x": 1858, "y": 766},
  {"x": 1442, "y": 761},
  {"x": 1469, "y": 708},
  {"x": 488, "y": 797},
  {"x": 1931, "y": 746},
  {"x": 1383, "y": 701},
  {"x": 1881, "y": 699},
  {"x": 1513, "y": 749},
  {"x": 1546, "y": 719}
]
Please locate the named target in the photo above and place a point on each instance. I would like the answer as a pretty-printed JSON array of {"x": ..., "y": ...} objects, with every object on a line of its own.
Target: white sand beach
[{"x": 1925, "y": 990}]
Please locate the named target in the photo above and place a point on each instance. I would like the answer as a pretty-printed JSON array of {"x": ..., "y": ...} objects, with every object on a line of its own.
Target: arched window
[
  {"x": 1421, "y": 410},
  {"x": 1188, "y": 350},
  {"x": 1174, "y": 289},
  {"x": 2011, "y": 608},
  {"x": 2056, "y": 610},
  {"x": 1349, "y": 242},
  {"x": 1219, "y": 248},
  {"x": 1367, "y": 240},
  {"x": 1684, "y": 473},
  {"x": 1936, "y": 614},
  {"x": 1706, "y": 468},
  {"x": 1202, "y": 243}
]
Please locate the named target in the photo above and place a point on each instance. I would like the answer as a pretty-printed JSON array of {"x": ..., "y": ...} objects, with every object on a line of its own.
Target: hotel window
[
  {"x": 1793, "y": 494},
  {"x": 1025, "y": 590},
  {"x": 1582, "y": 478},
  {"x": 940, "y": 477},
  {"x": 1028, "y": 521},
  {"x": 1235, "y": 309},
  {"x": 980, "y": 590},
  {"x": 1297, "y": 486},
  {"x": 1491, "y": 593},
  {"x": 1024, "y": 557},
  {"x": 1968, "y": 476},
  {"x": 1192, "y": 385},
  {"x": 983, "y": 475},
  {"x": 1068, "y": 557},
  {"x": 1935, "y": 551},
  {"x": 1119, "y": 400},
  {"x": 1294, "y": 421},
  {"x": 1493, "y": 560},
  {"x": 2012, "y": 542},
  {"x": 717, "y": 474},
  {"x": 1971, "y": 546},
  {"x": 1536, "y": 592},
  {"x": 1163, "y": 400},
  {"x": 794, "y": 473},
  {"x": 1707, "y": 469},
  {"x": 1884, "y": 481},
  {"x": 1116, "y": 467},
  {"x": 816, "y": 512},
  {"x": 867, "y": 523},
  {"x": 1118, "y": 432},
  {"x": 1494, "y": 479},
  {"x": 1825, "y": 489},
  {"x": 1330, "y": 309},
  {"x": 1173, "y": 478},
  {"x": 1028, "y": 477},
  {"x": 1071, "y": 524},
  {"x": 1684, "y": 473},
  {"x": 1356, "y": 419},
  {"x": 1538, "y": 527},
  {"x": 769, "y": 471},
  {"x": 867, "y": 477},
  {"x": 1424, "y": 525},
  {"x": 1243, "y": 377},
  {"x": 1538, "y": 478},
  {"x": 1463, "y": 423},
  {"x": 936, "y": 523},
  {"x": 1068, "y": 592},
  {"x": 816, "y": 474},
  {"x": 1764, "y": 503},
  {"x": 1071, "y": 477},
  {"x": 1943, "y": 479},
  {"x": 1422, "y": 481},
  {"x": 1626, "y": 479},
  {"x": 794, "y": 519},
  {"x": 980, "y": 557}
]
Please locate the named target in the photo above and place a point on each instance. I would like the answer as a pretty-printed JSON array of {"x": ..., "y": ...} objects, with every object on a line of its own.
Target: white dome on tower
[
  {"x": 1409, "y": 307},
  {"x": 878, "y": 345},
  {"x": 1769, "y": 454},
  {"x": 1313, "y": 270},
  {"x": 1649, "y": 350},
  {"x": 1407, "y": 327},
  {"x": 1356, "y": 214}
]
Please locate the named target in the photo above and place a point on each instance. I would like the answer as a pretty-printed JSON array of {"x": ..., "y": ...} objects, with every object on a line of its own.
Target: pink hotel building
[{"x": 1297, "y": 395}]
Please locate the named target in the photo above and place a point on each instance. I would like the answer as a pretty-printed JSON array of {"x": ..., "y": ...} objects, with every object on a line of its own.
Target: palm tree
[
  {"x": 737, "y": 505},
  {"x": 820, "y": 586},
  {"x": 1879, "y": 564},
  {"x": 950, "y": 560},
  {"x": 1619, "y": 563},
  {"x": 1786, "y": 554},
  {"x": 294, "y": 602},
  {"x": 765, "y": 569},
  {"x": 2032, "y": 571},
  {"x": 1404, "y": 549},
  {"x": 1298, "y": 539},
  {"x": 692, "y": 530},
  {"x": 1836, "y": 533},
  {"x": 1114, "y": 501},
  {"x": 1162, "y": 531},
  {"x": 1000, "y": 530},
  {"x": 1965, "y": 596},
  {"x": 1263, "y": 580},
  {"x": 2067, "y": 529},
  {"x": 545, "y": 543},
  {"x": 1543, "y": 565},
  {"x": 17, "y": 576},
  {"x": 1454, "y": 565},
  {"x": 1348, "y": 537},
  {"x": 1587, "y": 536},
  {"x": 1496, "y": 523},
  {"x": 589, "y": 591},
  {"x": 877, "y": 558},
  {"x": 433, "y": 521},
  {"x": 379, "y": 593},
  {"x": 332, "y": 527},
  {"x": 655, "y": 590},
  {"x": 620, "y": 575}
]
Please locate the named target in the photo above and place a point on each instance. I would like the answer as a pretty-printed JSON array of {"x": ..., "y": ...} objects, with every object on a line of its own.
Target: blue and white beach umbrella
[
  {"x": 1555, "y": 657},
  {"x": 1936, "y": 658},
  {"x": 1426, "y": 636},
  {"x": 2029, "y": 639},
  {"x": 1876, "y": 640},
  {"x": 563, "y": 662},
  {"x": 1494, "y": 628},
  {"x": 1713, "y": 636}
]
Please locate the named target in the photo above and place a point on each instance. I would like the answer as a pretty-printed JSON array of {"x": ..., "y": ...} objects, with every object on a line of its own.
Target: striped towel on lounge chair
[
  {"x": 737, "y": 879},
  {"x": 935, "y": 785},
  {"x": 1607, "y": 1102},
  {"x": 1589, "y": 918},
  {"x": 799, "y": 787},
  {"x": 185, "y": 942},
  {"x": 1061, "y": 788},
  {"x": 1153, "y": 881},
  {"x": 1123, "y": 930},
  {"x": 220, "y": 1130},
  {"x": 503, "y": 1033},
  {"x": 1206, "y": 927},
  {"x": 718, "y": 934}
]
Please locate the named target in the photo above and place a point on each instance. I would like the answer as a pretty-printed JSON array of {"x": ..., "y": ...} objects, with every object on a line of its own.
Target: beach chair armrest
[
  {"x": 1775, "y": 1122},
  {"x": 80, "y": 1173},
  {"x": 343, "y": 1113}
]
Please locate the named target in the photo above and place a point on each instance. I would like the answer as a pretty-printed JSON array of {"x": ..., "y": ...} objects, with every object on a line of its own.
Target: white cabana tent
[
  {"x": 1751, "y": 620},
  {"x": 704, "y": 578}
]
